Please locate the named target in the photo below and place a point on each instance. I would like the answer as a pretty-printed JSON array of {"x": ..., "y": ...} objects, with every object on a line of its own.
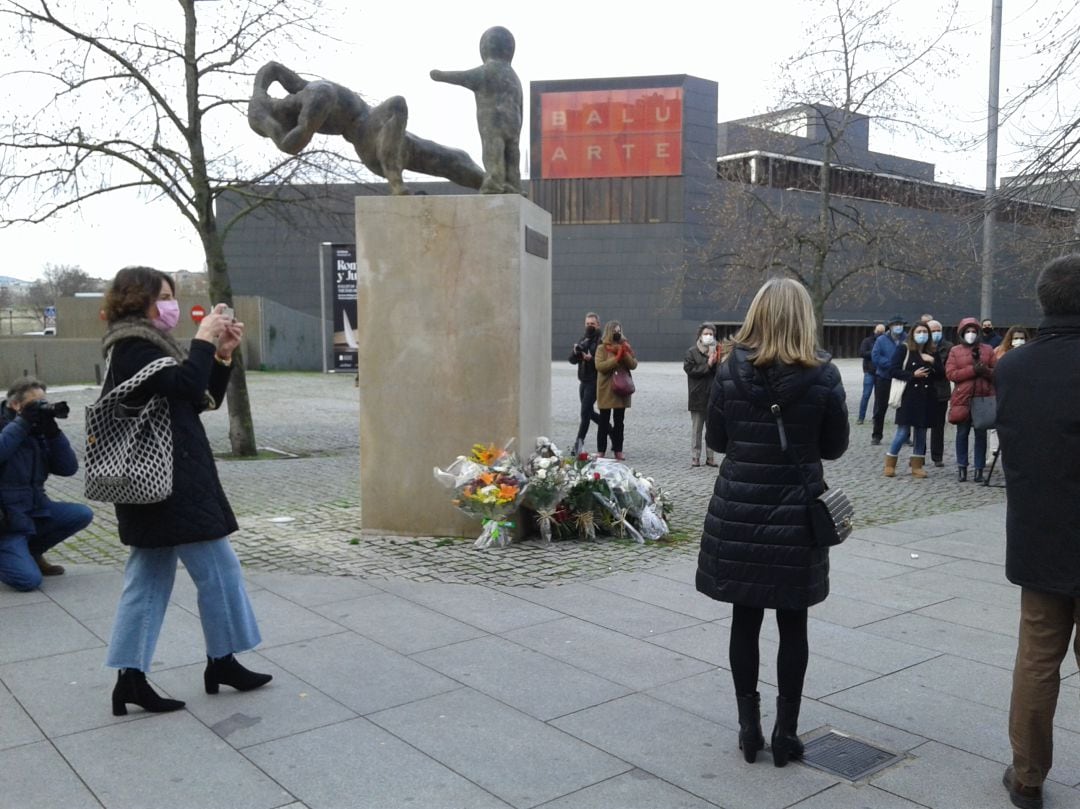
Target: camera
[
  {"x": 56, "y": 410},
  {"x": 581, "y": 347}
]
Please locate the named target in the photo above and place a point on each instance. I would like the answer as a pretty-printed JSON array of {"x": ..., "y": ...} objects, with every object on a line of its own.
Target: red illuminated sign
[{"x": 611, "y": 133}]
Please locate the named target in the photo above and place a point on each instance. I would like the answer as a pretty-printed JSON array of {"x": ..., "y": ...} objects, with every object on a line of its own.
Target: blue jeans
[
  {"x": 867, "y": 389},
  {"x": 228, "y": 622},
  {"x": 17, "y": 551},
  {"x": 901, "y": 437},
  {"x": 962, "y": 431}
]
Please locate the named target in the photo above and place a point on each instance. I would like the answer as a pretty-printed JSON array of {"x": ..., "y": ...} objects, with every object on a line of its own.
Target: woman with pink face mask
[{"x": 194, "y": 522}]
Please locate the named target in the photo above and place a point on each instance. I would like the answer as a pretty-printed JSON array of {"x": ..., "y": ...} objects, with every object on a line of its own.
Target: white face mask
[
  {"x": 707, "y": 339},
  {"x": 1018, "y": 341},
  {"x": 970, "y": 337}
]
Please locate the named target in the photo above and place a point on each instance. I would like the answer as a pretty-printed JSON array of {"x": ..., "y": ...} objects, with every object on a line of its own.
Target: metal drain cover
[{"x": 847, "y": 757}]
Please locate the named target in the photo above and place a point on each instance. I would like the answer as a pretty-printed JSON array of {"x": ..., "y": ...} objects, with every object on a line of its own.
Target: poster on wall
[{"x": 343, "y": 286}]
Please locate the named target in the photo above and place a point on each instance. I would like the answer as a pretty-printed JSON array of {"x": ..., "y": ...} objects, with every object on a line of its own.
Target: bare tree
[
  {"x": 1050, "y": 169},
  {"x": 126, "y": 105},
  {"x": 855, "y": 70},
  {"x": 58, "y": 281}
]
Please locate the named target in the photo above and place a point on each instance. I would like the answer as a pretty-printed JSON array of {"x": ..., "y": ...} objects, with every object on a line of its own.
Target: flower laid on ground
[
  {"x": 487, "y": 484},
  {"x": 575, "y": 497}
]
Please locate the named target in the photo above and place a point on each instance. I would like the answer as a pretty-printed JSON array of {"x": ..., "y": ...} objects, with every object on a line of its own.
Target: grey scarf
[{"x": 142, "y": 329}]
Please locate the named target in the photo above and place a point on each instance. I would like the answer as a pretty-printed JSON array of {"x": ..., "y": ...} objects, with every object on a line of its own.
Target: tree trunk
[{"x": 241, "y": 425}]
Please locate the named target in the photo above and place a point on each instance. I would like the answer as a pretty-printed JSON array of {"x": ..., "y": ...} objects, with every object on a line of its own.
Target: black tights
[{"x": 790, "y": 661}]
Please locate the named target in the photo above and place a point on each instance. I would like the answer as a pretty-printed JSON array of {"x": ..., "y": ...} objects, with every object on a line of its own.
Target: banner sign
[
  {"x": 343, "y": 304},
  {"x": 611, "y": 133}
]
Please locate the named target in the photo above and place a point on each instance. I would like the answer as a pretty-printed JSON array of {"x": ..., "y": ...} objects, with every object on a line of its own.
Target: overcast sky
[{"x": 388, "y": 48}]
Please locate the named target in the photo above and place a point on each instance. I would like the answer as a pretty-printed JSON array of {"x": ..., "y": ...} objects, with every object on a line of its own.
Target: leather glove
[{"x": 47, "y": 425}]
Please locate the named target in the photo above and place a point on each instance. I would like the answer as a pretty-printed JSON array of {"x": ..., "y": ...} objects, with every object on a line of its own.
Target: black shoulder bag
[{"x": 831, "y": 514}]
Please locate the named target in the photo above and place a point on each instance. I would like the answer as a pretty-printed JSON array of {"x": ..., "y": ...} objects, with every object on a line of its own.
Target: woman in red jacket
[{"x": 970, "y": 367}]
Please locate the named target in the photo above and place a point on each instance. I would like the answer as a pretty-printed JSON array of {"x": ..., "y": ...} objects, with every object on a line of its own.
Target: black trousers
[
  {"x": 881, "y": 405},
  {"x": 587, "y": 394},
  {"x": 938, "y": 411},
  {"x": 605, "y": 430},
  {"x": 791, "y": 660}
]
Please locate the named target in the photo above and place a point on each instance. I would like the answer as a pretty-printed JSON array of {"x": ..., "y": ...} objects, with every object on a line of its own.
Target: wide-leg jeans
[{"x": 228, "y": 622}]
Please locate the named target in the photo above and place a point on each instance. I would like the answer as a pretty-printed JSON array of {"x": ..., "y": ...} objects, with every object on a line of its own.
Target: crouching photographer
[{"x": 32, "y": 447}]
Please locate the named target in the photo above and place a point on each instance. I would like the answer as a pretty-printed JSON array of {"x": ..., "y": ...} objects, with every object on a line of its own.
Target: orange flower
[
  {"x": 487, "y": 478},
  {"x": 507, "y": 492}
]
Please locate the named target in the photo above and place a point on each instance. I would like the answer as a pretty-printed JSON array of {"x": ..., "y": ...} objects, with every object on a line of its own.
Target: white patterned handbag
[{"x": 129, "y": 450}]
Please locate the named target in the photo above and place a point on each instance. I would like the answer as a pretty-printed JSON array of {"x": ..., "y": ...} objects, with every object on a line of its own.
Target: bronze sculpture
[
  {"x": 376, "y": 133},
  {"x": 498, "y": 109}
]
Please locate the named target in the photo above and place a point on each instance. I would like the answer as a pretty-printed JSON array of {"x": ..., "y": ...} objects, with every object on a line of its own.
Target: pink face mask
[{"x": 168, "y": 315}]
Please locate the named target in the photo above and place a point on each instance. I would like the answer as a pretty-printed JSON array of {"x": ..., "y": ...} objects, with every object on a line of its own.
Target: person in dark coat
[
  {"x": 700, "y": 367},
  {"x": 990, "y": 335},
  {"x": 970, "y": 367},
  {"x": 866, "y": 351},
  {"x": 943, "y": 390},
  {"x": 32, "y": 447},
  {"x": 1038, "y": 426},
  {"x": 917, "y": 364},
  {"x": 194, "y": 522},
  {"x": 757, "y": 550},
  {"x": 583, "y": 355}
]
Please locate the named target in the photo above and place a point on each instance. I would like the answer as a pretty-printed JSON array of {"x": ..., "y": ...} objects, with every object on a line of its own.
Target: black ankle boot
[
  {"x": 131, "y": 687},
  {"x": 228, "y": 671},
  {"x": 751, "y": 738},
  {"x": 961, "y": 474},
  {"x": 785, "y": 735},
  {"x": 978, "y": 476}
]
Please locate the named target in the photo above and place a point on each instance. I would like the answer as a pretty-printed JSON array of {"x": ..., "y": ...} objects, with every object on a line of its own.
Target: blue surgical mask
[
  {"x": 936, "y": 335},
  {"x": 897, "y": 330},
  {"x": 921, "y": 338}
]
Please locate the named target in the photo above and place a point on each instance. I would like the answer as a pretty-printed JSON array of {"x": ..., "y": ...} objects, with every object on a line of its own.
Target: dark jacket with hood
[
  {"x": 1038, "y": 425},
  {"x": 960, "y": 369},
  {"x": 27, "y": 458},
  {"x": 757, "y": 549},
  {"x": 197, "y": 509}
]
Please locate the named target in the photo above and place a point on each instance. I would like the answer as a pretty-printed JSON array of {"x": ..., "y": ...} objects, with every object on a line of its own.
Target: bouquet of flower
[
  {"x": 584, "y": 498},
  {"x": 488, "y": 483},
  {"x": 548, "y": 481}
]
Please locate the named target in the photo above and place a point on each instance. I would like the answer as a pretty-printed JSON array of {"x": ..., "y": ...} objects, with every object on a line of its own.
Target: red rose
[
  {"x": 584, "y": 456},
  {"x": 596, "y": 476}
]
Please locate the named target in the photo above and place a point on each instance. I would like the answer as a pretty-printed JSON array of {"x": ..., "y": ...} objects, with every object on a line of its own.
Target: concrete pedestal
[{"x": 454, "y": 311}]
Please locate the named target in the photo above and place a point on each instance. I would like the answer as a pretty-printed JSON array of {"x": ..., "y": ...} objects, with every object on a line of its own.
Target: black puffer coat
[
  {"x": 197, "y": 509},
  {"x": 919, "y": 393},
  {"x": 1038, "y": 424},
  {"x": 757, "y": 549}
]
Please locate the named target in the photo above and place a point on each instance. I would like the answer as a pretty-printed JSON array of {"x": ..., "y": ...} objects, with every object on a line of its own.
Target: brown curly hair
[{"x": 133, "y": 290}]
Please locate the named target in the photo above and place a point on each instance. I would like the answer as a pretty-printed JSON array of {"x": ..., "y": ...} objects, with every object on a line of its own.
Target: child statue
[{"x": 498, "y": 109}]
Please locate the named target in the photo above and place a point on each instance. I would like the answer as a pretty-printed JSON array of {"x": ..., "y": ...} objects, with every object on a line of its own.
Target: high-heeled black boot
[
  {"x": 228, "y": 671},
  {"x": 751, "y": 739},
  {"x": 785, "y": 736},
  {"x": 961, "y": 474},
  {"x": 132, "y": 687},
  {"x": 978, "y": 476}
]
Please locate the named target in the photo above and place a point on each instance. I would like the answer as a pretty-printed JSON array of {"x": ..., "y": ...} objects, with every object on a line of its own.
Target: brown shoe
[
  {"x": 47, "y": 568},
  {"x": 1023, "y": 796}
]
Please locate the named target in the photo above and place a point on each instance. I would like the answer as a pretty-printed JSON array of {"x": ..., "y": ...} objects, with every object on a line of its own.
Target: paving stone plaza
[{"x": 419, "y": 672}]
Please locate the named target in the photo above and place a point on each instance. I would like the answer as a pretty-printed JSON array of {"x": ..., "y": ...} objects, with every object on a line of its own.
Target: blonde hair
[
  {"x": 780, "y": 326},
  {"x": 609, "y": 331}
]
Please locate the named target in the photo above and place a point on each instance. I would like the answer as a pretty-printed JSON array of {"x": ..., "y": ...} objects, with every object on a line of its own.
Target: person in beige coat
[{"x": 613, "y": 352}]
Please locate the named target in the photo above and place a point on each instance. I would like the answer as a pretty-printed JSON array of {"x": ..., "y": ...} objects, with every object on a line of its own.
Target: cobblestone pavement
[{"x": 303, "y": 515}]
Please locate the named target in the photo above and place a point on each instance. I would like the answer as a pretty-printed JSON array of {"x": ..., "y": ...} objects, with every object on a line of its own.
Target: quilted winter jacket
[
  {"x": 26, "y": 461},
  {"x": 960, "y": 369},
  {"x": 197, "y": 509},
  {"x": 757, "y": 549}
]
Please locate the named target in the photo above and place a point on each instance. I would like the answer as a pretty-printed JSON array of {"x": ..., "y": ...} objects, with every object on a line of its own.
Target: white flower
[
  {"x": 544, "y": 463},
  {"x": 541, "y": 473},
  {"x": 542, "y": 441}
]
